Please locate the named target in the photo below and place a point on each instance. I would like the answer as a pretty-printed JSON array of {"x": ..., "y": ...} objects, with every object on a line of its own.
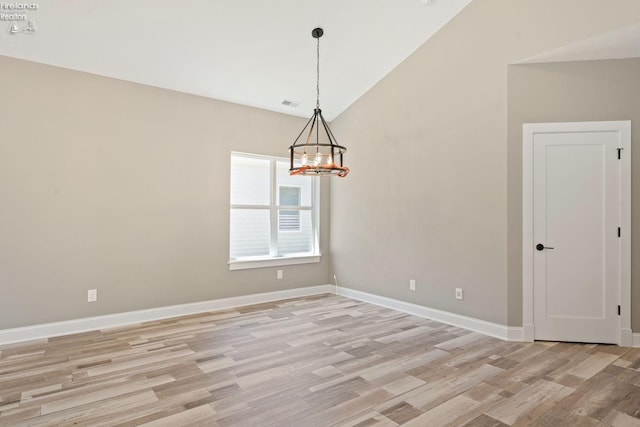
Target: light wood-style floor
[{"x": 319, "y": 361}]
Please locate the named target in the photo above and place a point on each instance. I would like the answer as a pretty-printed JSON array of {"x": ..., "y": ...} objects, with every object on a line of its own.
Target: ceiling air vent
[{"x": 288, "y": 103}]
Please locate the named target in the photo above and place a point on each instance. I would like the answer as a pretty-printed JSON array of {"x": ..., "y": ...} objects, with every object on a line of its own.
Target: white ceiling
[
  {"x": 251, "y": 52},
  {"x": 616, "y": 44}
]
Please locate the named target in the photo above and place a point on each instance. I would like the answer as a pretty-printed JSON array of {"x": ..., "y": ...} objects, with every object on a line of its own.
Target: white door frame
[{"x": 625, "y": 337}]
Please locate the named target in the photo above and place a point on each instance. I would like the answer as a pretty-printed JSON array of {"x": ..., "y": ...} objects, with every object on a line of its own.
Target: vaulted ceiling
[{"x": 257, "y": 53}]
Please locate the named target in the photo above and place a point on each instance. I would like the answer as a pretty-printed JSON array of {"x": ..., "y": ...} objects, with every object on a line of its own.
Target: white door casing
[{"x": 576, "y": 193}]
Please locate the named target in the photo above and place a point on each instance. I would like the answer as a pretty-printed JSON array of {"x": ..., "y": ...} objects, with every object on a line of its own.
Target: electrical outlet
[
  {"x": 280, "y": 274},
  {"x": 412, "y": 285},
  {"x": 92, "y": 295},
  {"x": 459, "y": 293}
]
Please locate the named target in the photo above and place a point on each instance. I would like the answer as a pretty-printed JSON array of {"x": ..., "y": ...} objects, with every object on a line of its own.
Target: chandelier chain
[{"x": 318, "y": 73}]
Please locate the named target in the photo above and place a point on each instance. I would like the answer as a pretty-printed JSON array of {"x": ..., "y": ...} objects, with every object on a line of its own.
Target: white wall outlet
[
  {"x": 459, "y": 293},
  {"x": 92, "y": 295},
  {"x": 280, "y": 274},
  {"x": 412, "y": 285}
]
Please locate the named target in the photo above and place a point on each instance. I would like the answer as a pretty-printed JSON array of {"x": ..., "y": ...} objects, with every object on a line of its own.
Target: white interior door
[{"x": 576, "y": 254}]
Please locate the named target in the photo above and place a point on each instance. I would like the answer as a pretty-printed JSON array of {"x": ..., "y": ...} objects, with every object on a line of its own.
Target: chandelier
[{"x": 316, "y": 151}]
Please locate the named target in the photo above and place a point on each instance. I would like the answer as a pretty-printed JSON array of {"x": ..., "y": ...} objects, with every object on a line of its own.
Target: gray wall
[
  {"x": 568, "y": 92},
  {"x": 124, "y": 188},
  {"x": 427, "y": 195}
]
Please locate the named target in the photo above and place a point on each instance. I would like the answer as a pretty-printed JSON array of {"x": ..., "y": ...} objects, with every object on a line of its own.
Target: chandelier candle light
[{"x": 318, "y": 153}]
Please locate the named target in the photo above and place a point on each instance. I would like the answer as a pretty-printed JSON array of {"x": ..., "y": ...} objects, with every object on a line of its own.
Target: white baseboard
[
  {"x": 48, "y": 330},
  {"x": 28, "y": 333},
  {"x": 507, "y": 333},
  {"x": 636, "y": 340}
]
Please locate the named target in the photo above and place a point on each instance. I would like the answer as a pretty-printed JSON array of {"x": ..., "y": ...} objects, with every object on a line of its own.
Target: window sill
[{"x": 244, "y": 264}]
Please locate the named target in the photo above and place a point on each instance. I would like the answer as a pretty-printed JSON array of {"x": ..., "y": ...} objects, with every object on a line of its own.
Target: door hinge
[
  {"x": 618, "y": 310},
  {"x": 620, "y": 153},
  {"x": 619, "y": 232}
]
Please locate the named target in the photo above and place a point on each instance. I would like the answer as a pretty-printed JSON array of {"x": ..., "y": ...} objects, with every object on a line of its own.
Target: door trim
[{"x": 625, "y": 337}]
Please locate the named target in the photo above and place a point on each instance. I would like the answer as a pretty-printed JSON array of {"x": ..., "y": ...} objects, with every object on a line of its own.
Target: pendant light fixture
[{"x": 316, "y": 151}]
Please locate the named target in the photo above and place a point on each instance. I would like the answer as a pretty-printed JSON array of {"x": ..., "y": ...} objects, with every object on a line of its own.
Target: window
[
  {"x": 273, "y": 217},
  {"x": 289, "y": 220}
]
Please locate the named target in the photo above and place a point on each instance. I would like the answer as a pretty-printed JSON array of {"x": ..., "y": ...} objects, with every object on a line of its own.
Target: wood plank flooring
[{"x": 319, "y": 361}]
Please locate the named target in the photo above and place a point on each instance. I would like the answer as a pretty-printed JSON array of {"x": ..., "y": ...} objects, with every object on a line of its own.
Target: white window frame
[{"x": 274, "y": 259}]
